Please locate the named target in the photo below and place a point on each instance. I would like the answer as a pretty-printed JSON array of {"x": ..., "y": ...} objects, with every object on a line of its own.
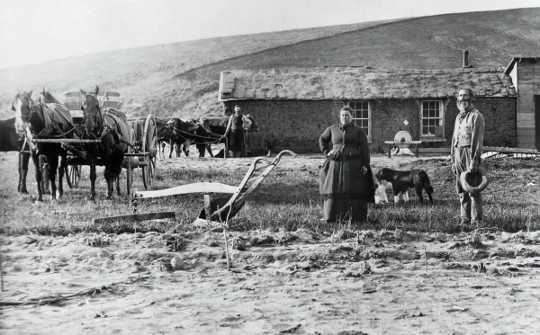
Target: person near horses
[
  {"x": 346, "y": 184},
  {"x": 466, "y": 150},
  {"x": 235, "y": 133}
]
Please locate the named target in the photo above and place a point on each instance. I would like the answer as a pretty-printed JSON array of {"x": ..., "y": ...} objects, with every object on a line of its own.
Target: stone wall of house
[
  {"x": 290, "y": 124},
  {"x": 297, "y": 124}
]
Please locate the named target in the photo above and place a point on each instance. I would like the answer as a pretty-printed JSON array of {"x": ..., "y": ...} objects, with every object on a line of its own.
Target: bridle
[{"x": 98, "y": 118}]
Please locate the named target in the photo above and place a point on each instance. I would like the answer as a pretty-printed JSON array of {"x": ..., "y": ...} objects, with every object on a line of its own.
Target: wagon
[
  {"x": 142, "y": 149},
  {"x": 142, "y": 152}
]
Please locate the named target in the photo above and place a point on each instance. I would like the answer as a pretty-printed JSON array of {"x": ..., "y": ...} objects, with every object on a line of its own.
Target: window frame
[
  {"x": 352, "y": 105},
  {"x": 441, "y": 119}
]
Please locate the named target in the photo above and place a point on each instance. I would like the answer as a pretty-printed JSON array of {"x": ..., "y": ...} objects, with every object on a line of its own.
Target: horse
[
  {"x": 215, "y": 128},
  {"x": 9, "y": 139},
  {"x": 43, "y": 119},
  {"x": 12, "y": 140},
  {"x": 110, "y": 126},
  {"x": 162, "y": 136},
  {"x": 182, "y": 133}
]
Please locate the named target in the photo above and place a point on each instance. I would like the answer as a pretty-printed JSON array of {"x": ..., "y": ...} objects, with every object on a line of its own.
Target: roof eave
[
  {"x": 516, "y": 59},
  {"x": 510, "y": 95}
]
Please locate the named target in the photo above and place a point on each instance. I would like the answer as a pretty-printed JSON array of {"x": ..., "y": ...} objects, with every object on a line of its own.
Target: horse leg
[
  {"x": 187, "y": 144},
  {"x": 92, "y": 179},
  {"x": 170, "y": 148},
  {"x": 44, "y": 166},
  {"x": 110, "y": 182},
  {"x": 23, "y": 171},
  {"x": 209, "y": 148},
  {"x": 51, "y": 171},
  {"x": 201, "y": 148},
  {"x": 118, "y": 185},
  {"x": 61, "y": 171},
  {"x": 178, "y": 148},
  {"x": 162, "y": 150},
  {"x": 37, "y": 169},
  {"x": 112, "y": 176},
  {"x": 418, "y": 189},
  {"x": 429, "y": 195}
]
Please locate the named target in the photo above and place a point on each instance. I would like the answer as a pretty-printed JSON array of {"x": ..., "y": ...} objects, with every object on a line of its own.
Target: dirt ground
[{"x": 350, "y": 281}]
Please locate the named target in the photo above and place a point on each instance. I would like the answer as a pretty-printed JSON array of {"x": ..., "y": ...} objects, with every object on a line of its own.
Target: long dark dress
[{"x": 343, "y": 186}]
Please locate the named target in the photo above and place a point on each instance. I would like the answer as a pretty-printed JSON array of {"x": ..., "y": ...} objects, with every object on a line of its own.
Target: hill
[
  {"x": 139, "y": 73},
  {"x": 182, "y": 79}
]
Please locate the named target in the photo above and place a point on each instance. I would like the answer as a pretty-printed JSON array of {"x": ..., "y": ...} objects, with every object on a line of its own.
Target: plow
[{"x": 216, "y": 211}]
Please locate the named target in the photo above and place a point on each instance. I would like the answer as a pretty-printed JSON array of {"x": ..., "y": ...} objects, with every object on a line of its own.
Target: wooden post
[
  {"x": 134, "y": 204},
  {"x": 207, "y": 209},
  {"x": 229, "y": 261},
  {"x": 227, "y": 248}
]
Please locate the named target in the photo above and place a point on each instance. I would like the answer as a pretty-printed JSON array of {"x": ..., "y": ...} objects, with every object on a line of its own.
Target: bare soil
[{"x": 350, "y": 280}]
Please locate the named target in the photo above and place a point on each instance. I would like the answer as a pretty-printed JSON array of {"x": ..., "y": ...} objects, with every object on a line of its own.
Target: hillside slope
[
  {"x": 182, "y": 79},
  {"x": 424, "y": 43},
  {"x": 139, "y": 71}
]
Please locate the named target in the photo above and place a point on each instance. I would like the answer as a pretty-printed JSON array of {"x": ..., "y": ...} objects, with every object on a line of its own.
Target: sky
[{"x": 36, "y": 31}]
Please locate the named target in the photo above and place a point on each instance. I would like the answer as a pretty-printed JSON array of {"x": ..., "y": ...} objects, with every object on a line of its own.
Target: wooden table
[{"x": 413, "y": 144}]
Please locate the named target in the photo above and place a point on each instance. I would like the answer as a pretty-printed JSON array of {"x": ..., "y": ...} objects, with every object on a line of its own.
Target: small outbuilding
[
  {"x": 292, "y": 106},
  {"x": 525, "y": 74}
]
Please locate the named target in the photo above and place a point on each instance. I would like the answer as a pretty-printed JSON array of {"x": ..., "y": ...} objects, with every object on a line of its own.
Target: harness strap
[{"x": 215, "y": 139}]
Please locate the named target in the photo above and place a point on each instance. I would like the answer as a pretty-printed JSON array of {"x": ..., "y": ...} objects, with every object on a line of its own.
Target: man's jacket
[{"x": 469, "y": 132}]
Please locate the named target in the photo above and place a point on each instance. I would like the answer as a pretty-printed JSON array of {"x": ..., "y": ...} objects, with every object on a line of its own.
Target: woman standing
[{"x": 346, "y": 184}]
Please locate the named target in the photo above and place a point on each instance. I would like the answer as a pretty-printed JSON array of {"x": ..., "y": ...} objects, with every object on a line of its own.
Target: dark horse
[
  {"x": 181, "y": 133},
  {"x": 9, "y": 139},
  {"x": 111, "y": 128},
  {"x": 12, "y": 139},
  {"x": 43, "y": 119},
  {"x": 163, "y": 136}
]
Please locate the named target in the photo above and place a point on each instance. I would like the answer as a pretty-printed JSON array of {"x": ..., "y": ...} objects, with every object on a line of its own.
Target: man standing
[
  {"x": 235, "y": 132},
  {"x": 465, "y": 152}
]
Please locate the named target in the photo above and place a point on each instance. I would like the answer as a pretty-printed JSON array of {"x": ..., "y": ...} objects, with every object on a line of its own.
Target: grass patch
[{"x": 288, "y": 199}]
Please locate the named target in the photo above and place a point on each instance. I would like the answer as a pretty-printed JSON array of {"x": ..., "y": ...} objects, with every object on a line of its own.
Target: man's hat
[{"x": 473, "y": 182}]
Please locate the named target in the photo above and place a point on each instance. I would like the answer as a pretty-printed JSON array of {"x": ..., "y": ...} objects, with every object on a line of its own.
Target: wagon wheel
[
  {"x": 73, "y": 175},
  {"x": 149, "y": 147}
]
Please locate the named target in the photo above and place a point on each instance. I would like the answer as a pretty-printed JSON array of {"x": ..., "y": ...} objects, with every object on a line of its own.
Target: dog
[
  {"x": 381, "y": 198},
  {"x": 403, "y": 180}
]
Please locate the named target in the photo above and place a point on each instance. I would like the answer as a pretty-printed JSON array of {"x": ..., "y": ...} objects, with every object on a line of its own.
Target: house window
[
  {"x": 361, "y": 116},
  {"x": 432, "y": 118}
]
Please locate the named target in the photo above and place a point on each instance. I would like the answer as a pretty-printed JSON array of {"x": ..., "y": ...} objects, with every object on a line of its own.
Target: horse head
[
  {"x": 22, "y": 106},
  {"x": 93, "y": 118},
  {"x": 248, "y": 123},
  {"x": 27, "y": 111}
]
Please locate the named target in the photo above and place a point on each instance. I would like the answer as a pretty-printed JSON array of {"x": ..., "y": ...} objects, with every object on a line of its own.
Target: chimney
[{"x": 466, "y": 58}]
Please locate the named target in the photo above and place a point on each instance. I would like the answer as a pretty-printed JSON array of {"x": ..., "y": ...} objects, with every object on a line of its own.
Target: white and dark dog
[
  {"x": 381, "y": 196},
  {"x": 401, "y": 182}
]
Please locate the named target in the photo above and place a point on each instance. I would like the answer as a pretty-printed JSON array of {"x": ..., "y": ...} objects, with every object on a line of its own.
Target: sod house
[{"x": 292, "y": 106}]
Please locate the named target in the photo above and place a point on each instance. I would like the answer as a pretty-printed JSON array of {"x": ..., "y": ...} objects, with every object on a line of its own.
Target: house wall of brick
[{"x": 297, "y": 124}]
